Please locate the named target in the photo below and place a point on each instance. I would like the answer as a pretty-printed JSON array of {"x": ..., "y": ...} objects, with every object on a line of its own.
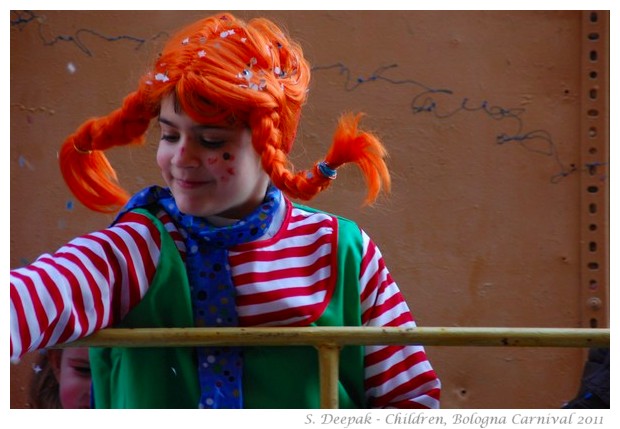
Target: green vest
[{"x": 273, "y": 377}]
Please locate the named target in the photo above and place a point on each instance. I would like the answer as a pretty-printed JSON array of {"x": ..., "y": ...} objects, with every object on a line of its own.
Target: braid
[
  {"x": 267, "y": 140},
  {"x": 274, "y": 130},
  {"x": 85, "y": 168},
  {"x": 350, "y": 145}
]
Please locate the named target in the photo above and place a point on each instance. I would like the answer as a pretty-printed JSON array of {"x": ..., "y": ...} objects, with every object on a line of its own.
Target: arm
[
  {"x": 89, "y": 284},
  {"x": 396, "y": 376}
]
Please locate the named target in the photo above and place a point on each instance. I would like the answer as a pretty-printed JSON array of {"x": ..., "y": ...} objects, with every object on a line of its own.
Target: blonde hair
[
  {"x": 221, "y": 68},
  {"x": 43, "y": 391}
]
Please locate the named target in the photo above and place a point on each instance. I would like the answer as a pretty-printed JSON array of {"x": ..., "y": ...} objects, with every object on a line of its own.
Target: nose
[{"x": 185, "y": 155}]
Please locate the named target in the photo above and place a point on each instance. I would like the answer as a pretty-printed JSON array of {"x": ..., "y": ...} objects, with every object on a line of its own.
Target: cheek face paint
[
  {"x": 229, "y": 157},
  {"x": 211, "y": 160}
]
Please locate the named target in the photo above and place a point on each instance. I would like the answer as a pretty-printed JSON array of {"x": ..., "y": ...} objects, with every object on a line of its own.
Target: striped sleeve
[
  {"x": 395, "y": 376},
  {"x": 90, "y": 283}
]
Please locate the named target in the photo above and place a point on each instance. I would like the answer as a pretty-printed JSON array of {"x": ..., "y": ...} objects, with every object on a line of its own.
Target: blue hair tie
[{"x": 326, "y": 170}]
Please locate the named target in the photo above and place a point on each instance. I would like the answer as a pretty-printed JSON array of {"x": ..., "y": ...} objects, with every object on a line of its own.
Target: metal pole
[
  {"x": 341, "y": 336},
  {"x": 329, "y": 356}
]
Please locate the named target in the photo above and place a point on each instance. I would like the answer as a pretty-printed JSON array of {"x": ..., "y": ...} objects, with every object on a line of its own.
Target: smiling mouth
[{"x": 191, "y": 184}]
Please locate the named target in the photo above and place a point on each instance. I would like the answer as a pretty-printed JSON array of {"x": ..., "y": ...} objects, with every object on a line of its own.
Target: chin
[
  {"x": 193, "y": 210},
  {"x": 190, "y": 211}
]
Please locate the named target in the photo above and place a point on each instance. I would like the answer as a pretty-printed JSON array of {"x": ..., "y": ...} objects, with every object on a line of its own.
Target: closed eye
[
  {"x": 82, "y": 369},
  {"x": 212, "y": 144},
  {"x": 170, "y": 137}
]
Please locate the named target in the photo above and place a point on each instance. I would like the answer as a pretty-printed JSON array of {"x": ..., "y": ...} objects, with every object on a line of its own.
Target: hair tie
[
  {"x": 82, "y": 151},
  {"x": 326, "y": 170}
]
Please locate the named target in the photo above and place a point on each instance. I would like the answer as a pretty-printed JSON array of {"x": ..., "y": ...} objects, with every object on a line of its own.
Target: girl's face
[
  {"x": 211, "y": 170},
  {"x": 73, "y": 374}
]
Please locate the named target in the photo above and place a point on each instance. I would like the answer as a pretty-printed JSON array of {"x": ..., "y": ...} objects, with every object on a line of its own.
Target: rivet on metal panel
[{"x": 595, "y": 303}]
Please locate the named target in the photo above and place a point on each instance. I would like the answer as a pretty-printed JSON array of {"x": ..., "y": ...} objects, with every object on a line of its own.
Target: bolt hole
[
  {"x": 593, "y": 36},
  {"x": 593, "y": 17},
  {"x": 593, "y": 94},
  {"x": 592, "y": 208},
  {"x": 593, "y": 323},
  {"x": 593, "y": 75},
  {"x": 592, "y": 227},
  {"x": 593, "y": 189},
  {"x": 593, "y": 56},
  {"x": 592, "y": 246},
  {"x": 593, "y": 266}
]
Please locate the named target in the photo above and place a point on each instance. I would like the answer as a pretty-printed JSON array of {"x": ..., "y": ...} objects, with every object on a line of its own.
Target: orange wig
[{"x": 221, "y": 69}]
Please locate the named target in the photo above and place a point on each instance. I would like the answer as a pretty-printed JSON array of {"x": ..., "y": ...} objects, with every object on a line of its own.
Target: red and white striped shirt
[{"x": 282, "y": 279}]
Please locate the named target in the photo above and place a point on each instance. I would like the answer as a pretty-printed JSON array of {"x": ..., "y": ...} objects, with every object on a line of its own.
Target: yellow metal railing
[{"x": 329, "y": 341}]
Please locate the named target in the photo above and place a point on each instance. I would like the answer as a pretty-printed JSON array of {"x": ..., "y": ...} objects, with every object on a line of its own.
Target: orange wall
[{"x": 475, "y": 233}]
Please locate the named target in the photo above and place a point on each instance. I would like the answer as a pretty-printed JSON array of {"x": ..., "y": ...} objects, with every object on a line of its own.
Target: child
[
  {"x": 61, "y": 379},
  {"x": 222, "y": 245},
  {"x": 594, "y": 386}
]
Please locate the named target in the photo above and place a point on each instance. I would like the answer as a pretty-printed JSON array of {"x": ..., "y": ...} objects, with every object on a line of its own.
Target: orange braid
[
  {"x": 276, "y": 163},
  {"x": 89, "y": 175},
  {"x": 85, "y": 168},
  {"x": 350, "y": 145}
]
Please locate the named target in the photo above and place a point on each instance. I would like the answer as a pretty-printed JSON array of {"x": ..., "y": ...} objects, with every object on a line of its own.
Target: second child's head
[{"x": 62, "y": 379}]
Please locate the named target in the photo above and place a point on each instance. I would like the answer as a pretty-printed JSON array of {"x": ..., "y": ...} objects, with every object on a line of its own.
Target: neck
[{"x": 221, "y": 220}]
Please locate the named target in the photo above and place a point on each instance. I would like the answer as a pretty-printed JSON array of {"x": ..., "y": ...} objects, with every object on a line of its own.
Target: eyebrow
[
  {"x": 79, "y": 361},
  {"x": 198, "y": 127},
  {"x": 167, "y": 122}
]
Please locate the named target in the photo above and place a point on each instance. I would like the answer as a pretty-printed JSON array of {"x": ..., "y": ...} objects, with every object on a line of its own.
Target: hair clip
[
  {"x": 82, "y": 151},
  {"x": 326, "y": 170}
]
